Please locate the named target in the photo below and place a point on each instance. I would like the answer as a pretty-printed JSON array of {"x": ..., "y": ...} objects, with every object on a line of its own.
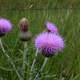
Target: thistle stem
[
  {"x": 25, "y": 58},
  {"x": 10, "y": 60},
  {"x": 42, "y": 67},
  {"x": 33, "y": 63},
  {"x": 32, "y": 67}
]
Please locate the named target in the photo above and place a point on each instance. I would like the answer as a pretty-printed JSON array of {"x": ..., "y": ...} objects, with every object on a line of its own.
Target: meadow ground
[{"x": 66, "y": 16}]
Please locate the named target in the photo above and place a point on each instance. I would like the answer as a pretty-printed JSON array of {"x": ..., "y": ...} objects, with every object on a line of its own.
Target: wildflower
[
  {"x": 5, "y": 26},
  {"x": 51, "y": 27},
  {"x": 49, "y": 43},
  {"x": 25, "y": 34},
  {"x": 24, "y": 24}
]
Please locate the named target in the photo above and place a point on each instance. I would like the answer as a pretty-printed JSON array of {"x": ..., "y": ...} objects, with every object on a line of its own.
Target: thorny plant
[{"x": 47, "y": 43}]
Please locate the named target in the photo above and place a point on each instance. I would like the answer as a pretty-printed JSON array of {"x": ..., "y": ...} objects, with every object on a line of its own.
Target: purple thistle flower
[
  {"x": 49, "y": 43},
  {"x": 51, "y": 27},
  {"x": 5, "y": 26}
]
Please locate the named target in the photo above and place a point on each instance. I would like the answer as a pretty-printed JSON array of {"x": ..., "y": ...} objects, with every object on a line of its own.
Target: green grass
[{"x": 65, "y": 65}]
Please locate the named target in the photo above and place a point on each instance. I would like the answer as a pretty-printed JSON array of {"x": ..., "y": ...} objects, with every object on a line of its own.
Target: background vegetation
[{"x": 66, "y": 16}]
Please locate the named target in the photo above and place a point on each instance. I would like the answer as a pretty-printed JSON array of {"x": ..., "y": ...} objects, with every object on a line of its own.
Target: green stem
[
  {"x": 33, "y": 63},
  {"x": 42, "y": 67},
  {"x": 10, "y": 60},
  {"x": 25, "y": 59},
  {"x": 32, "y": 67}
]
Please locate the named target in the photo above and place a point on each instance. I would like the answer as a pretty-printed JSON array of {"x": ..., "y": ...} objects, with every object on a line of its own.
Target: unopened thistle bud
[
  {"x": 24, "y": 24},
  {"x": 25, "y": 34}
]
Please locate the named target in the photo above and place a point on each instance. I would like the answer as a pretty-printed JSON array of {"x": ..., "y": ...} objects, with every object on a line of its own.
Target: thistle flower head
[
  {"x": 5, "y": 26},
  {"x": 24, "y": 24},
  {"x": 49, "y": 43},
  {"x": 51, "y": 27}
]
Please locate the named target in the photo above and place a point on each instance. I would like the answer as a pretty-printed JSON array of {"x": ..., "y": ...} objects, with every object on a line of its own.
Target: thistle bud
[
  {"x": 24, "y": 24},
  {"x": 25, "y": 36}
]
